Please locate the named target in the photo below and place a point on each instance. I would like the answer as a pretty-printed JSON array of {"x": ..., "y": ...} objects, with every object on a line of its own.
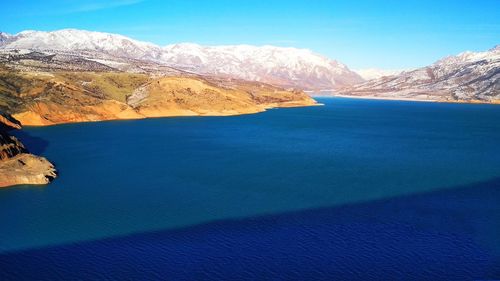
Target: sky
[{"x": 392, "y": 34}]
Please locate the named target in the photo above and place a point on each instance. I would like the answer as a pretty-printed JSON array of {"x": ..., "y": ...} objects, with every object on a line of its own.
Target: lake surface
[{"x": 354, "y": 189}]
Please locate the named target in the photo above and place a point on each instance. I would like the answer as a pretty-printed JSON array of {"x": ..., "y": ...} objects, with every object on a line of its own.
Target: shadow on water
[
  {"x": 443, "y": 235},
  {"x": 35, "y": 145}
]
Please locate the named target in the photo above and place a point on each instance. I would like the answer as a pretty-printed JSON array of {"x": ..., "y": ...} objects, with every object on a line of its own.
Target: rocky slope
[
  {"x": 286, "y": 67},
  {"x": 17, "y": 165},
  {"x": 467, "y": 77}
]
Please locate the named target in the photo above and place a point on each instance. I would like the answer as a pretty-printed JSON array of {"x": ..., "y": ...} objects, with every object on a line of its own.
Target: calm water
[{"x": 355, "y": 189}]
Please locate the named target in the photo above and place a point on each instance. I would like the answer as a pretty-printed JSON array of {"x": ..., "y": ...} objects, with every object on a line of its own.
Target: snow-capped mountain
[
  {"x": 288, "y": 67},
  {"x": 71, "y": 40},
  {"x": 375, "y": 73},
  {"x": 467, "y": 76}
]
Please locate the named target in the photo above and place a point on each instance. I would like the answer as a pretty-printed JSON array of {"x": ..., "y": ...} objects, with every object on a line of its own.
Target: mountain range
[
  {"x": 287, "y": 67},
  {"x": 469, "y": 76}
]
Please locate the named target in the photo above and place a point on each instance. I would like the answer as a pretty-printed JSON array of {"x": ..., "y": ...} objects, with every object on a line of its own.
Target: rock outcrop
[
  {"x": 10, "y": 146},
  {"x": 17, "y": 165}
]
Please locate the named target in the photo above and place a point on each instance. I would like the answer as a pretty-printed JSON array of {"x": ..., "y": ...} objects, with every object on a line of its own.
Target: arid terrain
[{"x": 46, "y": 98}]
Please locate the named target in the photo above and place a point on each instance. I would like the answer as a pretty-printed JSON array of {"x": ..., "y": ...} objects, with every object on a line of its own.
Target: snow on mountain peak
[
  {"x": 470, "y": 57},
  {"x": 279, "y": 65},
  {"x": 375, "y": 73},
  {"x": 74, "y": 39}
]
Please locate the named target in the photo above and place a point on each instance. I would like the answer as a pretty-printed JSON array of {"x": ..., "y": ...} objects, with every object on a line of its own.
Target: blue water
[{"x": 355, "y": 189}]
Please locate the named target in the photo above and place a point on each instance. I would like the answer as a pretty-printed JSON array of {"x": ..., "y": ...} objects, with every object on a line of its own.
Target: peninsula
[{"x": 37, "y": 90}]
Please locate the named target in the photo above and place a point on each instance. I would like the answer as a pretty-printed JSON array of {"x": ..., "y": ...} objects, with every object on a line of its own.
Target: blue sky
[{"x": 367, "y": 33}]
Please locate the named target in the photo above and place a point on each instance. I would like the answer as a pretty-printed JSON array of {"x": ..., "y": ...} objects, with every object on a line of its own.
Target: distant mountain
[
  {"x": 289, "y": 67},
  {"x": 469, "y": 76},
  {"x": 375, "y": 73}
]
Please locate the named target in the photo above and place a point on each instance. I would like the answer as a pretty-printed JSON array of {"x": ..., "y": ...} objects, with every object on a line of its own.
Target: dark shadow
[
  {"x": 451, "y": 234},
  {"x": 33, "y": 144}
]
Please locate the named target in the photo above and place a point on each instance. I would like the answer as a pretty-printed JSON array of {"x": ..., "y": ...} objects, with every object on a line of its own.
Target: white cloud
[
  {"x": 73, "y": 7},
  {"x": 101, "y": 5}
]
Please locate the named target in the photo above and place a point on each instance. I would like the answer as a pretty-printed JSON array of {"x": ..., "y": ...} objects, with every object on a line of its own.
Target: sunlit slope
[{"x": 46, "y": 98}]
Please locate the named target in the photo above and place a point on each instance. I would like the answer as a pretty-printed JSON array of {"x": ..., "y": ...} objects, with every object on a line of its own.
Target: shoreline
[
  {"x": 41, "y": 172},
  {"x": 292, "y": 104},
  {"x": 406, "y": 99}
]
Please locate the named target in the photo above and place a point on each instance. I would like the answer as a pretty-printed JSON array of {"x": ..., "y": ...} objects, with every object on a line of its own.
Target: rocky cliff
[{"x": 17, "y": 165}]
